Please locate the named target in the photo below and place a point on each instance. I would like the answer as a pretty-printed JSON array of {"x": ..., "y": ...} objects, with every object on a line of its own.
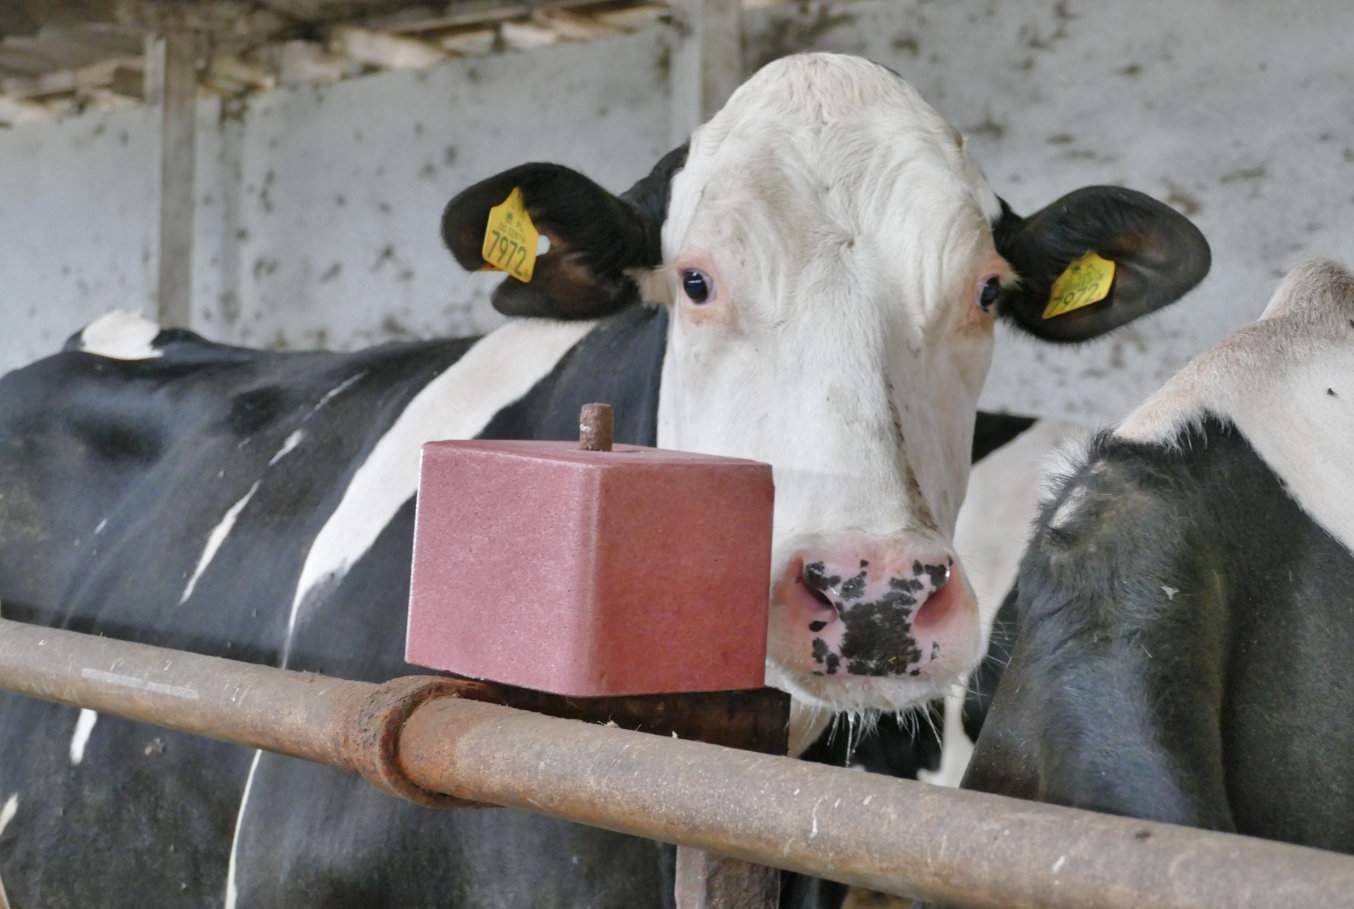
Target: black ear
[
  {"x": 1158, "y": 255},
  {"x": 594, "y": 236}
]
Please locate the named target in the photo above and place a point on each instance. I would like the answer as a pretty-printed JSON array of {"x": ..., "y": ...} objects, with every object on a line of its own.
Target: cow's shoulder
[
  {"x": 1124, "y": 527},
  {"x": 1131, "y": 531},
  {"x": 1286, "y": 383}
]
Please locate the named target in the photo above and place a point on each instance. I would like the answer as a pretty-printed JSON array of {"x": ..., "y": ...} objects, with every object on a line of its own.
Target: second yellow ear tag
[
  {"x": 510, "y": 238},
  {"x": 1085, "y": 281}
]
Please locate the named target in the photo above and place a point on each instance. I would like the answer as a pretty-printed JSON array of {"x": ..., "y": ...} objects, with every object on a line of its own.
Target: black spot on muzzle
[{"x": 878, "y": 638}]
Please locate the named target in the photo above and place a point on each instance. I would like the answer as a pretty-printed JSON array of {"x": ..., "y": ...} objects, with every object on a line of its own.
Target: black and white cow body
[
  {"x": 825, "y": 264},
  {"x": 1183, "y": 613},
  {"x": 274, "y": 439}
]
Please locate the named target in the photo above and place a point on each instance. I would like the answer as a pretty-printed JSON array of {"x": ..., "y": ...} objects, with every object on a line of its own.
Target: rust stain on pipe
[
  {"x": 895, "y": 836},
  {"x": 352, "y": 725}
]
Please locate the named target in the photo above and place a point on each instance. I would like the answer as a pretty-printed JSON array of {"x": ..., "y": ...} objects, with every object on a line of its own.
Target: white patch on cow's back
[
  {"x": 8, "y": 810},
  {"x": 1287, "y": 383},
  {"x": 232, "y": 892},
  {"x": 216, "y": 538},
  {"x": 121, "y": 335},
  {"x": 334, "y": 392},
  {"x": 84, "y": 727},
  {"x": 501, "y": 368},
  {"x": 288, "y": 445}
]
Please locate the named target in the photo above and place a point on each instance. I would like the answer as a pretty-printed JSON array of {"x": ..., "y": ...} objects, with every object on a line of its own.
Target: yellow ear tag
[
  {"x": 510, "y": 238},
  {"x": 1087, "y": 280}
]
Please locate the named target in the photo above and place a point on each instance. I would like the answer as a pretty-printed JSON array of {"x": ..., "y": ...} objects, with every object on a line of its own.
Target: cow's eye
[
  {"x": 989, "y": 293},
  {"x": 697, "y": 285}
]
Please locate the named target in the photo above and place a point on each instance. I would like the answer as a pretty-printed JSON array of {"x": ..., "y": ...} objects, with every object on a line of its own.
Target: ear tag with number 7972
[
  {"x": 1087, "y": 280},
  {"x": 510, "y": 238}
]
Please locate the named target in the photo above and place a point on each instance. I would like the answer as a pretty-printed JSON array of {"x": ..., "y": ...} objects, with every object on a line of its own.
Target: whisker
[{"x": 931, "y": 721}]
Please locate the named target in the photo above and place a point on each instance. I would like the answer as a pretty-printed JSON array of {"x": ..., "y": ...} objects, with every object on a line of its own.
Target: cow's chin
[
  {"x": 817, "y": 699},
  {"x": 858, "y": 693},
  {"x": 818, "y": 696}
]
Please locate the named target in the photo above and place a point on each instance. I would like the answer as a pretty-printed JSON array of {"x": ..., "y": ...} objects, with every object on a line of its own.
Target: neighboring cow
[
  {"x": 828, "y": 264},
  {"x": 1183, "y": 612}
]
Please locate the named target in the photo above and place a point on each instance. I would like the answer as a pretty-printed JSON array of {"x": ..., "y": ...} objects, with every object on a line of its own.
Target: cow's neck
[{"x": 619, "y": 362}]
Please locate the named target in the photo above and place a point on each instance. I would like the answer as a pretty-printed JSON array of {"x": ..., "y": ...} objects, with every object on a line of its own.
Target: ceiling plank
[{"x": 383, "y": 49}]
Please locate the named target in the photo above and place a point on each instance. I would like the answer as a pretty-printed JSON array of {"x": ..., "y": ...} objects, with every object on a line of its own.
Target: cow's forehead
[
  {"x": 808, "y": 91},
  {"x": 831, "y": 139}
]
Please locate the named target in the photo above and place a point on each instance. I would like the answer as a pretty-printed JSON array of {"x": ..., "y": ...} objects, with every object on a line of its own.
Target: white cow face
[
  {"x": 827, "y": 251},
  {"x": 833, "y": 263}
]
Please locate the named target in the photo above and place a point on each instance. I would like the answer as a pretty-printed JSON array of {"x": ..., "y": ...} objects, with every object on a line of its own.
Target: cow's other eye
[
  {"x": 989, "y": 292},
  {"x": 697, "y": 285}
]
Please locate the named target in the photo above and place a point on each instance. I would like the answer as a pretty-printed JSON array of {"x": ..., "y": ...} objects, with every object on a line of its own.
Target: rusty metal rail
[{"x": 962, "y": 848}]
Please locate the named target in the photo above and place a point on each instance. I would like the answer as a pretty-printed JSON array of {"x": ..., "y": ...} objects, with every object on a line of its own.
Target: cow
[
  {"x": 934, "y": 743},
  {"x": 1181, "y": 616},
  {"x": 811, "y": 281}
]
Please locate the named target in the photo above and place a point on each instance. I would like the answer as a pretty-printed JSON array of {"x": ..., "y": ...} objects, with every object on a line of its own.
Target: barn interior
[
  {"x": 271, "y": 173},
  {"x": 293, "y": 201}
]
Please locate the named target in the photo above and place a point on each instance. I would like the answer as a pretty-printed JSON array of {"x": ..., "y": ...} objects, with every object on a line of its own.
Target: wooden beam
[
  {"x": 306, "y": 62},
  {"x": 470, "y": 13},
  {"x": 468, "y": 41},
  {"x": 16, "y": 22},
  {"x": 527, "y": 35},
  {"x": 121, "y": 75},
  {"x": 707, "y": 61},
  {"x": 128, "y": 81},
  {"x": 382, "y": 49},
  {"x": 172, "y": 84},
  {"x": 14, "y": 113},
  {"x": 234, "y": 74},
  {"x": 332, "y": 10},
  {"x": 572, "y": 26},
  {"x": 705, "y": 880},
  {"x": 69, "y": 12},
  {"x": 631, "y": 16}
]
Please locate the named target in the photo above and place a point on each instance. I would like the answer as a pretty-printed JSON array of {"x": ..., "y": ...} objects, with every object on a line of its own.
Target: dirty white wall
[
  {"x": 319, "y": 206},
  {"x": 76, "y": 235},
  {"x": 329, "y": 198}
]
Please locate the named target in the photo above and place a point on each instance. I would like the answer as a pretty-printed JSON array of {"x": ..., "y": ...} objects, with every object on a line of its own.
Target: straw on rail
[{"x": 898, "y": 836}]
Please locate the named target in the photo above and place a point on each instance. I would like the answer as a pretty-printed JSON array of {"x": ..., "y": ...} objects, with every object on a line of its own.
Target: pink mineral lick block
[{"x": 630, "y": 571}]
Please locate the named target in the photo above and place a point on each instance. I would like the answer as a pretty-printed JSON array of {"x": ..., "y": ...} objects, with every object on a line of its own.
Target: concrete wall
[
  {"x": 319, "y": 206},
  {"x": 75, "y": 236},
  {"x": 330, "y": 197}
]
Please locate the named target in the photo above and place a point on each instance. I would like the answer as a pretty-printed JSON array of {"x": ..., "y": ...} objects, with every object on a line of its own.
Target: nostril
[
  {"x": 942, "y": 600},
  {"x": 823, "y": 599},
  {"x": 815, "y": 575},
  {"x": 818, "y": 583},
  {"x": 938, "y": 575}
]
